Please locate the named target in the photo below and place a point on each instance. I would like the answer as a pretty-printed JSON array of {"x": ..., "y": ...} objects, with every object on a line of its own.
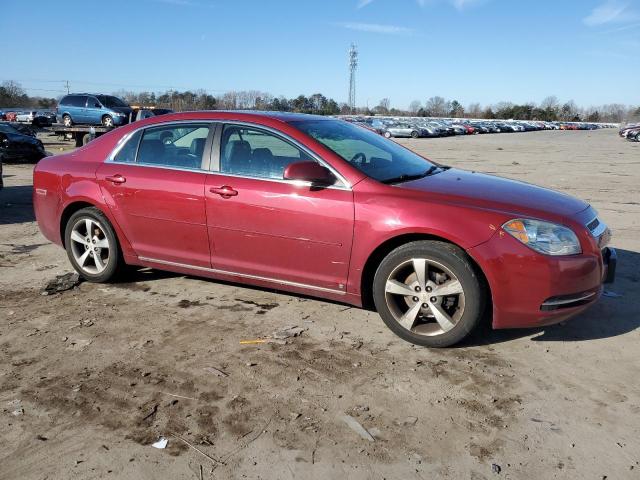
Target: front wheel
[
  {"x": 414, "y": 134},
  {"x": 66, "y": 121},
  {"x": 428, "y": 293},
  {"x": 107, "y": 121},
  {"x": 92, "y": 245},
  {"x": 387, "y": 134}
]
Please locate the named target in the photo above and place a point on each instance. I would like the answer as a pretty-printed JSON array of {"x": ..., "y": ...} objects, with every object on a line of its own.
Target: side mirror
[
  {"x": 309, "y": 171},
  {"x": 97, "y": 105}
]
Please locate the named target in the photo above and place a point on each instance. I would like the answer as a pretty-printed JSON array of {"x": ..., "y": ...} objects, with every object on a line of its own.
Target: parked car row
[
  {"x": 423, "y": 127},
  {"x": 631, "y": 132},
  {"x": 38, "y": 118}
]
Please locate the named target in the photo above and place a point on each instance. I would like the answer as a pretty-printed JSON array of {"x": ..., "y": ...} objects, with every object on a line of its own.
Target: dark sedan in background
[{"x": 14, "y": 146}]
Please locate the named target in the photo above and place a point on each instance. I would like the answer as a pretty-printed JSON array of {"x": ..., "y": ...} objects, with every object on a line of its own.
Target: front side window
[
  {"x": 179, "y": 146},
  {"x": 375, "y": 156},
  {"x": 256, "y": 153},
  {"x": 92, "y": 102}
]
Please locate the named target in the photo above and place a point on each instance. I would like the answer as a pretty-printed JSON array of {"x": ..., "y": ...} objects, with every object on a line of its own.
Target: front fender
[{"x": 381, "y": 217}]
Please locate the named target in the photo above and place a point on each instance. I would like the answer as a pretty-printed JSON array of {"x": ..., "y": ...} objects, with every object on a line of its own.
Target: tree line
[{"x": 549, "y": 109}]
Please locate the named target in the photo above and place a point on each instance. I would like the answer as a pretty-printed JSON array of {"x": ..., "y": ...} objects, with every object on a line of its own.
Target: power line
[{"x": 66, "y": 85}]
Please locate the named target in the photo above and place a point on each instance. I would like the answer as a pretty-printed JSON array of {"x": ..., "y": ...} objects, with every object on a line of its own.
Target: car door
[
  {"x": 93, "y": 111},
  {"x": 79, "y": 112},
  {"x": 154, "y": 186},
  {"x": 264, "y": 226}
]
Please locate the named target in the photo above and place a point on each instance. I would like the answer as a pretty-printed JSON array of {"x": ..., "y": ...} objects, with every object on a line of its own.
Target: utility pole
[
  {"x": 353, "y": 65},
  {"x": 67, "y": 85}
]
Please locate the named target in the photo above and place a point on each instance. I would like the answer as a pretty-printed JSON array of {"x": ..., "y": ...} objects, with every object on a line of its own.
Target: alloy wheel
[
  {"x": 66, "y": 120},
  {"x": 424, "y": 297},
  {"x": 90, "y": 246},
  {"x": 107, "y": 121}
]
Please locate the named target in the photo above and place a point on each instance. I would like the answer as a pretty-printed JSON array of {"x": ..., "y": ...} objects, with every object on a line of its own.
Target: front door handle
[
  {"x": 225, "y": 191},
  {"x": 116, "y": 179}
]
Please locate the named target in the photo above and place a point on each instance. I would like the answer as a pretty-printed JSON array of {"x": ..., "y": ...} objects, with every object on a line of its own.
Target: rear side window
[
  {"x": 74, "y": 101},
  {"x": 127, "y": 153},
  {"x": 179, "y": 146}
]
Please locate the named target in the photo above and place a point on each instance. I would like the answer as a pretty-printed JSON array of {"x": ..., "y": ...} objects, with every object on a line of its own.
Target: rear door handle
[
  {"x": 225, "y": 191},
  {"x": 115, "y": 179}
]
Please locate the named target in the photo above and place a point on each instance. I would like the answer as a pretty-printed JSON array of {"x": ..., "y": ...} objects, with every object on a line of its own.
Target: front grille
[{"x": 593, "y": 224}]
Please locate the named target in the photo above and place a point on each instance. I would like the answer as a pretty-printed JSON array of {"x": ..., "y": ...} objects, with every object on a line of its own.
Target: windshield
[
  {"x": 375, "y": 156},
  {"x": 110, "y": 101},
  {"x": 8, "y": 129}
]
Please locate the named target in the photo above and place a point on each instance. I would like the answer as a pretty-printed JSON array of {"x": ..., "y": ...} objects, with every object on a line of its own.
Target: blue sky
[{"x": 470, "y": 50}]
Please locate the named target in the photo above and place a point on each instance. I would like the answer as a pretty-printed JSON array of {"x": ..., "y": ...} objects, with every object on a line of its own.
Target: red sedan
[{"x": 319, "y": 206}]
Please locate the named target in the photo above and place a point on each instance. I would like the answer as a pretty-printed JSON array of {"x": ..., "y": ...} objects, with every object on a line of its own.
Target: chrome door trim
[
  {"x": 243, "y": 275},
  {"x": 214, "y": 154}
]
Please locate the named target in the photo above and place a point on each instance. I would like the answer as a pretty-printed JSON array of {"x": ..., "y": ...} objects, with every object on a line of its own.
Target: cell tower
[{"x": 353, "y": 65}]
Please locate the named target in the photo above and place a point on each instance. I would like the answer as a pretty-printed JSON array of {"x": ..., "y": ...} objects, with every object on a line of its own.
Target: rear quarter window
[{"x": 127, "y": 154}]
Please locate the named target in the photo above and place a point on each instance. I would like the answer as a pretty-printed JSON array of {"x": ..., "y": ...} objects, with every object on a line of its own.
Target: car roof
[{"x": 246, "y": 115}]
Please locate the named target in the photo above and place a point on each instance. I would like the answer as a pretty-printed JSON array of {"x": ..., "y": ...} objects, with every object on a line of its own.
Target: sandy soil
[{"x": 90, "y": 377}]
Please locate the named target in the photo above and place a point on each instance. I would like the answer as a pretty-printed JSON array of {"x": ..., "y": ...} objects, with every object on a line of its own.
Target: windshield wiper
[{"x": 406, "y": 177}]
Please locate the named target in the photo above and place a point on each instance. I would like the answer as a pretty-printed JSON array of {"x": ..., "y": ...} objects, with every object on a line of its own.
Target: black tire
[
  {"x": 107, "y": 121},
  {"x": 457, "y": 261},
  {"x": 66, "y": 121},
  {"x": 387, "y": 134},
  {"x": 414, "y": 134},
  {"x": 115, "y": 264}
]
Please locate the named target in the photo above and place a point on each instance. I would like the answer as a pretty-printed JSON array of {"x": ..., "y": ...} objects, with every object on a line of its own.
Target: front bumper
[
  {"x": 119, "y": 121},
  {"x": 531, "y": 290}
]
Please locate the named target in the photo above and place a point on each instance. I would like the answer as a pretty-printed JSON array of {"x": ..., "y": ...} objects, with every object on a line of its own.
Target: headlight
[
  {"x": 544, "y": 237},
  {"x": 118, "y": 114}
]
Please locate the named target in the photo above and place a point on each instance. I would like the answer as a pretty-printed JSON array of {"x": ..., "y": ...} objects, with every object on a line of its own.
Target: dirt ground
[{"x": 91, "y": 377}]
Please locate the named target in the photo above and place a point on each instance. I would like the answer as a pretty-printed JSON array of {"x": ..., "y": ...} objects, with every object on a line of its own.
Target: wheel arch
[
  {"x": 382, "y": 250},
  {"x": 68, "y": 211},
  {"x": 81, "y": 203}
]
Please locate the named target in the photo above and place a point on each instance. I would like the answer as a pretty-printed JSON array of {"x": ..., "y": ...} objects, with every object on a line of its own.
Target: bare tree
[
  {"x": 474, "y": 110},
  {"x": 414, "y": 106},
  {"x": 569, "y": 111},
  {"x": 384, "y": 105},
  {"x": 437, "y": 107}
]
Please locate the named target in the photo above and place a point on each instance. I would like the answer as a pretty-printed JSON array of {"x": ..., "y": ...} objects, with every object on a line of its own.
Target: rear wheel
[
  {"x": 92, "y": 245},
  {"x": 66, "y": 121},
  {"x": 387, "y": 134},
  {"x": 429, "y": 293}
]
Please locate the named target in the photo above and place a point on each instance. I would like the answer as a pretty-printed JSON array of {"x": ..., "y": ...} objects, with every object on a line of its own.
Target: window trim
[
  {"x": 204, "y": 159},
  {"x": 213, "y": 164},
  {"x": 344, "y": 184}
]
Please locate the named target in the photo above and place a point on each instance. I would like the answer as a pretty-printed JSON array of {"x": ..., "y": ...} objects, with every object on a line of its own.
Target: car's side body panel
[
  {"x": 296, "y": 233},
  {"x": 162, "y": 210}
]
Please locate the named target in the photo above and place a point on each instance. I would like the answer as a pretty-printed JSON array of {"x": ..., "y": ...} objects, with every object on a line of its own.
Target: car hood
[
  {"x": 17, "y": 137},
  {"x": 496, "y": 193},
  {"x": 125, "y": 110}
]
